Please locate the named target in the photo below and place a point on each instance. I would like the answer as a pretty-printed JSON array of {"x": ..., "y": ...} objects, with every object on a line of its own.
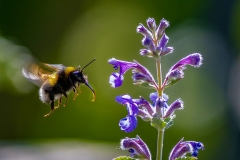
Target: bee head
[{"x": 81, "y": 78}]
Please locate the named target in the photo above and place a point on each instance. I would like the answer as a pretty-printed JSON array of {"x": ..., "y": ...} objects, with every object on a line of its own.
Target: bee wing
[
  {"x": 55, "y": 67},
  {"x": 39, "y": 73}
]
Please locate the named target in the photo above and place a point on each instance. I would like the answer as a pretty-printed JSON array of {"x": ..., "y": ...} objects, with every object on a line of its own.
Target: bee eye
[{"x": 76, "y": 72}]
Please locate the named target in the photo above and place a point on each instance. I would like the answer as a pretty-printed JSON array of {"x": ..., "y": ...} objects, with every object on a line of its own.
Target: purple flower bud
[
  {"x": 136, "y": 147},
  {"x": 146, "y": 52},
  {"x": 173, "y": 76},
  {"x": 151, "y": 24},
  {"x": 166, "y": 51},
  {"x": 128, "y": 124},
  {"x": 161, "y": 105},
  {"x": 178, "y": 104},
  {"x": 143, "y": 103},
  {"x": 143, "y": 113},
  {"x": 141, "y": 74},
  {"x": 161, "y": 28},
  {"x": 153, "y": 97},
  {"x": 194, "y": 60},
  {"x": 163, "y": 41},
  {"x": 143, "y": 30},
  {"x": 146, "y": 41},
  {"x": 182, "y": 148}
]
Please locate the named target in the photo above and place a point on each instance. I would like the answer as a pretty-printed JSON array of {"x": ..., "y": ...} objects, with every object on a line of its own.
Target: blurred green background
[{"x": 74, "y": 32}]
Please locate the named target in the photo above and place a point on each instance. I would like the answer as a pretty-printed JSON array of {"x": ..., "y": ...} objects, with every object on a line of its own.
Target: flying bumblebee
[{"x": 55, "y": 81}]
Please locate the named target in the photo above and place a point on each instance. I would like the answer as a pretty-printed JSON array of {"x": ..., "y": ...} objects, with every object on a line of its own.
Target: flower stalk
[{"x": 158, "y": 113}]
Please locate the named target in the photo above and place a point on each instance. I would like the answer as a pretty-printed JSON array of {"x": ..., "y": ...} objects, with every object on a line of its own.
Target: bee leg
[
  {"x": 59, "y": 103},
  {"x": 75, "y": 90},
  {"x": 65, "y": 95},
  {"x": 79, "y": 88},
  {"x": 52, "y": 108}
]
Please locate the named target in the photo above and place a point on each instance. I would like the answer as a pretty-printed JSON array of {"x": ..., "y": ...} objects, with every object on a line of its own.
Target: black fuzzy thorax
[{"x": 64, "y": 83}]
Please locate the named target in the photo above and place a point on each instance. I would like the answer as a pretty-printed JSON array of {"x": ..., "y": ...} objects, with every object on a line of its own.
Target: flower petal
[
  {"x": 143, "y": 30},
  {"x": 116, "y": 80},
  {"x": 151, "y": 24},
  {"x": 132, "y": 107},
  {"x": 128, "y": 124},
  {"x": 161, "y": 28},
  {"x": 144, "y": 104},
  {"x": 178, "y": 104},
  {"x": 142, "y": 74},
  {"x": 136, "y": 147},
  {"x": 184, "y": 147},
  {"x": 194, "y": 60}
]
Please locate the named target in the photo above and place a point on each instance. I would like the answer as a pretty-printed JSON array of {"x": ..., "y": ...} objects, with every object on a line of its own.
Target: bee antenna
[{"x": 88, "y": 64}]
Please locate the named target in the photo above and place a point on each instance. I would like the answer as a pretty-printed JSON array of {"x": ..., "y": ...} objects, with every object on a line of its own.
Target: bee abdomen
[{"x": 44, "y": 96}]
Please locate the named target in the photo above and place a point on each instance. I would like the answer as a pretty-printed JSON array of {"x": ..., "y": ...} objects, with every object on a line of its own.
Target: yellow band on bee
[
  {"x": 69, "y": 70},
  {"x": 53, "y": 79}
]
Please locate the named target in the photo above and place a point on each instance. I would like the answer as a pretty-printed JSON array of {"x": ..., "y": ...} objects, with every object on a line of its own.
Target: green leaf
[
  {"x": 144, "y": 85},
  {"x": 158, "y": 123},
  {"x": 169, "y": 124},
  {"x": 171, "y": 83},
  {"x": 123, "y": 158}
]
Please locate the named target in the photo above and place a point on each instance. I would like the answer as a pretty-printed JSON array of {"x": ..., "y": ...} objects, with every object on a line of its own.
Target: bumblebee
[{"x": 56, "y": 81}]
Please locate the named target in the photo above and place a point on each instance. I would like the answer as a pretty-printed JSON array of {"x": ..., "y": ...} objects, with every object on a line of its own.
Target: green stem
[
  {"x": 159, "y": 76},
  {"x": 160, "y": 144},
  {"x": 160, "y": 93}
]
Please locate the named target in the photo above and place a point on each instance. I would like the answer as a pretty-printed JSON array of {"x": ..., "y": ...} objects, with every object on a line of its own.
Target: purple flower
[
  {"x": 161, "y": 28},
  {"x": 151, "y": 24},
  {"x": 136, "y": 147},
  {"x": 143, "y": 30},
  {"x": 178, "y": 104},
  {"x": 140, "y": 73},
  {"x": 146, "y": 52},
  {"x": 182, "y": 148},
  {"x": 148, "y": 42},
  {"x": 136, "y": 107},
  {"x": 129, "y": 123},
  {"x": 163, "y": 41},
  {"x": 116, "y": 79},
  {"x": 161, "y": 106},
  {"x": 176, "y": 72},
  {"x": 153, "y": 97},
  {"x": 143, "y": 103},
  {"x": 166, "y": 50},
  {"x": 194, "y": 60},
  {"x": 127, "y": 100}
]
